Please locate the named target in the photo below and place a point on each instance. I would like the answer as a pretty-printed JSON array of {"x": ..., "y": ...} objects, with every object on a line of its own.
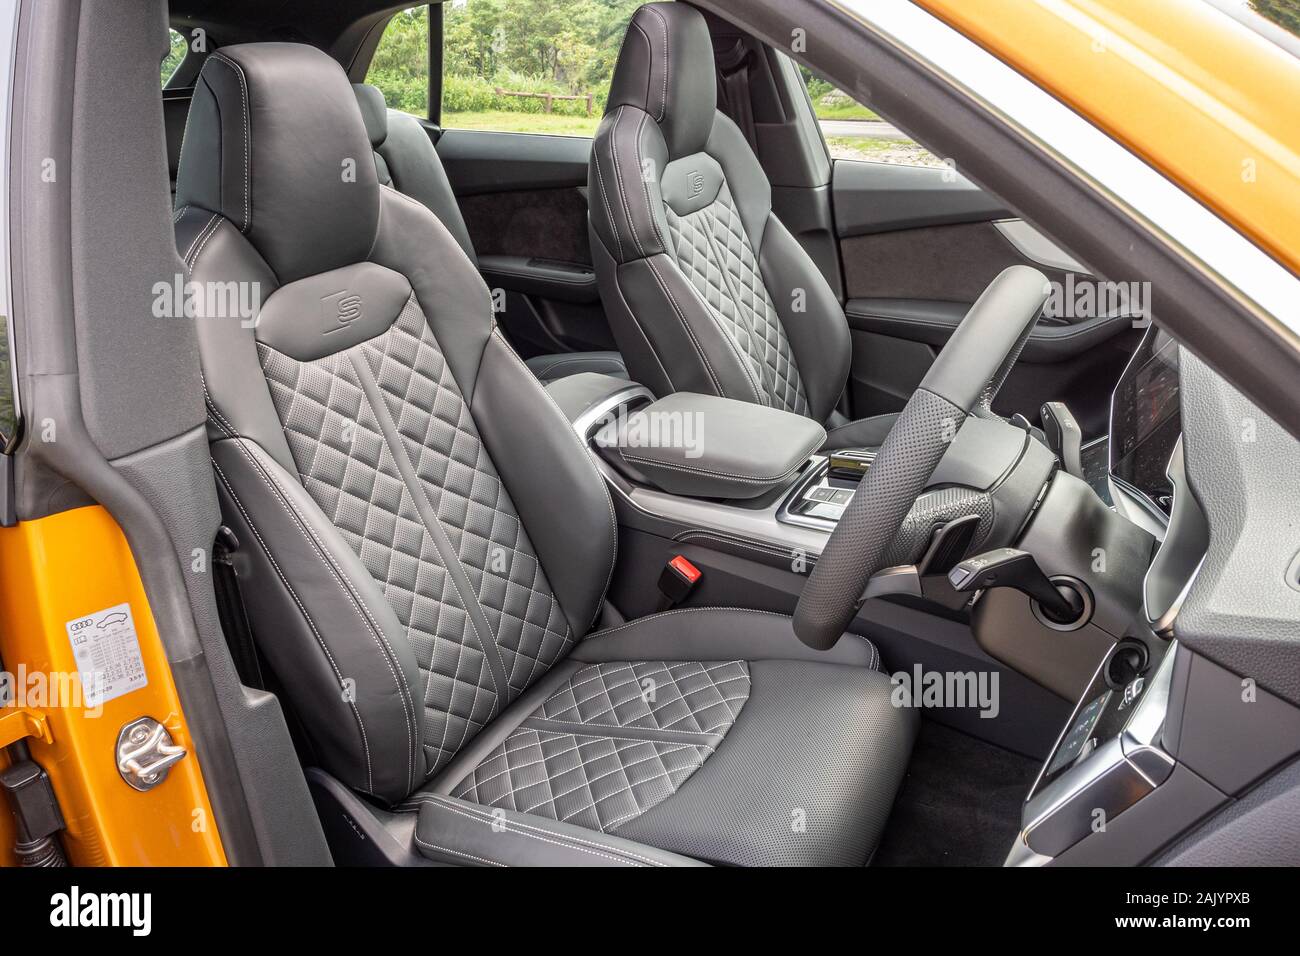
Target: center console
[
  {"x": 753, "y": 499},
  {"x": 1109, "y": 756},
  {"x": 825, "y": 490}
]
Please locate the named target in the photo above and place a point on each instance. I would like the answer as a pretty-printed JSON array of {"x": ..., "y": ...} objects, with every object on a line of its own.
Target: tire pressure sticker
[{"x": 107, "y": 653}]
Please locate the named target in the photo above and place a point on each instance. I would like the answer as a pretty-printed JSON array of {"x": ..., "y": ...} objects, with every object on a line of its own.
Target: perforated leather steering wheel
[{"x": 962, "y": 381}]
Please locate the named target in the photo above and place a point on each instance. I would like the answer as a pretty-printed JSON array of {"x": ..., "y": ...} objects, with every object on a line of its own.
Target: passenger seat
[{"x": 406, "y": 160}]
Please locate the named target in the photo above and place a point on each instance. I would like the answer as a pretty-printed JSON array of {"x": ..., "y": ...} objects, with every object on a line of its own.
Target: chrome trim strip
[
  {"x": 811, "y": 477},
  {"x": 1165, "y": 622},
  {"x": 1148, "y": 716},
  {"x": 585, "y": 423},
  {"x": 757, "y": 524}
]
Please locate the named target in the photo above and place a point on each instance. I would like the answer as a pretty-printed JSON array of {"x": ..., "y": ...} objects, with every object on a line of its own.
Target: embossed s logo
[
  {"x": 697, "y": 183},
  {"x": 340, "y": 310}
]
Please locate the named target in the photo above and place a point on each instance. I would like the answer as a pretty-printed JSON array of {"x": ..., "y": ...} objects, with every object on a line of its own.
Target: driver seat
[
  {"x": 705, "y": 289},
  {"x": 425, "y": 544}
]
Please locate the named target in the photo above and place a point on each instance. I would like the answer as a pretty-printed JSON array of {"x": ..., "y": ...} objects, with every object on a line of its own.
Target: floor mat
[{"x": 959, "y": 804}]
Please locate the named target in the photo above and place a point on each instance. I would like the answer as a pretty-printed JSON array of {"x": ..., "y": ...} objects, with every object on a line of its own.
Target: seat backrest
[
  {"x": 405, "y": 159},
  {"x": 705, "y": 289},
  {"x": 421, "y": 533}
]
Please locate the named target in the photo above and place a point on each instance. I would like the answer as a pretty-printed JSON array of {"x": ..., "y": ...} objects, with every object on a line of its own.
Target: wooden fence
[{"x": 549, "y": 98}]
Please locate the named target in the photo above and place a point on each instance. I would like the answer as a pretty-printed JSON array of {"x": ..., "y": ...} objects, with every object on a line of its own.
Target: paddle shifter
[
  {"x": 1013, "y": 568},
  {"x": 1064, "y": 436}
]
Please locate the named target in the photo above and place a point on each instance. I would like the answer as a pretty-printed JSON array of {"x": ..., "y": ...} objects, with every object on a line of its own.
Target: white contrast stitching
[
  {"x": 307, "y": 617},
  {"x": 243, "y": 89}
]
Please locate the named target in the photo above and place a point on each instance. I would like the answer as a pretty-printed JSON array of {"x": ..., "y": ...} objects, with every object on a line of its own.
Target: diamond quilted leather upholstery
[
  {"x": 714, "y": 252},
  {"x": 349, "y": 467},
  {"x": 571, "y": 762},
  {"x": 424, "y": 542},
  {"x": 595, "y": 782},
  {"x": 705, "y": 289},
  {"x": 686, "y": 696}
]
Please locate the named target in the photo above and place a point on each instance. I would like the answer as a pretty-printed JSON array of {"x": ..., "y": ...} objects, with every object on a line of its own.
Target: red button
[{"x": 687, "y": 570}]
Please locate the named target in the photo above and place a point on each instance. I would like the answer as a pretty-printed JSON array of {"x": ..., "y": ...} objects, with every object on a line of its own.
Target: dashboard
[{"x": 1145, "y": 422}]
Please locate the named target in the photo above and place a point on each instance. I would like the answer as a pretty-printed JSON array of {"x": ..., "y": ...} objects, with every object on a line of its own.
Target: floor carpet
[{"x": 959, "y": 804}]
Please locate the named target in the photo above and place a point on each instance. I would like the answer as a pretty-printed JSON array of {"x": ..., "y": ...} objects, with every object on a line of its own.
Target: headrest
[
  {"x": 666, "y": 69},
  {"x": 276, "y": 144},
  {"x": 374, "y": 110}
]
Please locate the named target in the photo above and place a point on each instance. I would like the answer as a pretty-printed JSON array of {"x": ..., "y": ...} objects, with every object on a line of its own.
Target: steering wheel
[{"x": 962, "y": 381}]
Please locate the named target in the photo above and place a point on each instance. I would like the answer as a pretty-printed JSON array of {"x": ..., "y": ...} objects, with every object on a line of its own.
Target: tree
[{"x": 179, "y": 47}]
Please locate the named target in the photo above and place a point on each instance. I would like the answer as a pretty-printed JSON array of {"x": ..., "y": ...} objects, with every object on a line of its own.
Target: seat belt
[
  {"x": 733, "y": 81},
  {"x": 231, "y": 612}
]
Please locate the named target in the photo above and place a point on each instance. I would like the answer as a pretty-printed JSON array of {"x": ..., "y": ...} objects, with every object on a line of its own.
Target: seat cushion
[
  {"x": 734, "y": 747},
  {"x": 550, "y": 367}
]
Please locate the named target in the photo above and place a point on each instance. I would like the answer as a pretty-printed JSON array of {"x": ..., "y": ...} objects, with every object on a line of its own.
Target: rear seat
[{"x": 406, "y": 160}]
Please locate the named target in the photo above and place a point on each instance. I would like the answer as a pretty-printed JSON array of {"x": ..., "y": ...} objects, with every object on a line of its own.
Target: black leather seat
[
  {"x": 426, "y": 544},
  {"x": 406, "y": 160},
  {"x": 705, "y": 289}
]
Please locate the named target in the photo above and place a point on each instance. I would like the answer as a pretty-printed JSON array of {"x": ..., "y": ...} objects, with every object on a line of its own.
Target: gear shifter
[
  {"x": 1064, "y": 436},
  {"x": 1013, "y": 568}
]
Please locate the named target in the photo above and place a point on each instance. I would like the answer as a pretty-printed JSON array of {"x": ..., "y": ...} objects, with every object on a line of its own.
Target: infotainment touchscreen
[{"x": 1144, "y": 419}]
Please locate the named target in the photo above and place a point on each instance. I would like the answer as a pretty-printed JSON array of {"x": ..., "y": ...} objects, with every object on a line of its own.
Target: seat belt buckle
[{"x": 678, "y": 579}]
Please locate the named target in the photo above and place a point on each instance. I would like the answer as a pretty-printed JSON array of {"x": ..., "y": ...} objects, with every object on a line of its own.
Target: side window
[
  {"x": 530, "y": 66},
  {"x": 400, "y": 67},
  {"x": 176, "y": 53},
  {"x": 853, "y": 131}
]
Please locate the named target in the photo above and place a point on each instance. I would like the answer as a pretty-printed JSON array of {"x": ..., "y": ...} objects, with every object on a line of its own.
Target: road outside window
[{"x": 854, "y": 132}]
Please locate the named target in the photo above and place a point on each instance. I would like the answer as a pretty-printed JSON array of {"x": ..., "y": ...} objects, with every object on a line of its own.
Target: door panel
[
  {"x": 882, "y": 197},
  {"x": 918, "y": 246},
  {"x": 485, "y": 162},
  {"x": 524, "y": 199},
  {"x": 952, "y": 263}
]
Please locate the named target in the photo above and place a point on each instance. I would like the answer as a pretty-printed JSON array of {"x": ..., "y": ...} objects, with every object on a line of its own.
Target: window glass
[
  {"x": 1276, "y": 20},
  {"x": 530, "y": 66},
  {"x": 400, "y": 67},
  {"x": 176, "y": 53},
  {"x": 853, "y": 131}
]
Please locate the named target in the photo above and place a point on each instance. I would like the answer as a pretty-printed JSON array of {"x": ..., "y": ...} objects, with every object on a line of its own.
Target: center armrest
[{"x": 703, "y": 446}]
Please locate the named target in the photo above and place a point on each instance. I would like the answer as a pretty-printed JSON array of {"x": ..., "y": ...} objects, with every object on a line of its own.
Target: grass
[
  {"x": 846, "y": 111},
  {"x": 557, "y": 124},
  {"x": 504, "y": 121},
  {"x": 900, "y": 152}
]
